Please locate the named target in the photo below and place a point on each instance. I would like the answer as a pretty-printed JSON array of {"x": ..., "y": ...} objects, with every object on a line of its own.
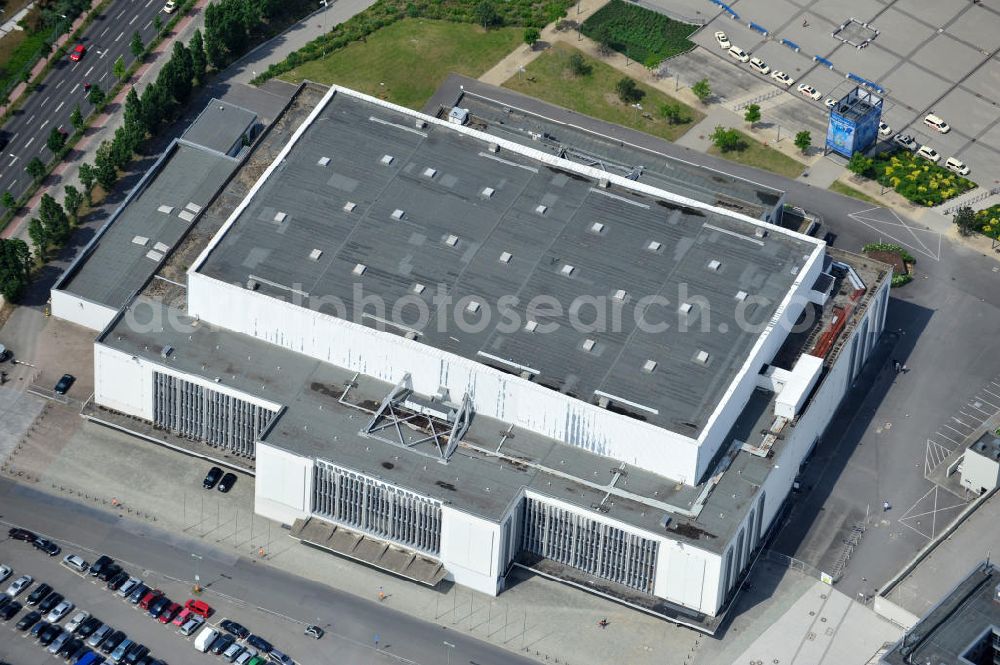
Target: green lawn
[
  {"x": 549, "y": 77},
  {"x": 760, "y": 156},
  {"x": 406, "y": 62},
  {"x": 847, "y": 190}
]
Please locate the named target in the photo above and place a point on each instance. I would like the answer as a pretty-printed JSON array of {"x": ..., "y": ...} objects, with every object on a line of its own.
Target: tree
[
  {"x": 752, "y": 114},
  {"x": 486, "y": 15},
  {"x": 56, "y": 141},
  {"x": 72, "y": 200},
  {"x": 134, "y": 117},
  {"x": 104, "y": 166},
  {"x": 579, "y": 66},
  {"x": 727, "y": 140},
  {"x": 15, "y": 262},
  {"x": 54, "y": 220},
  {"x": 76, "y": 118},
  {"x": 803, "y": 141},
  {"x": 965, "y": 220},
  {"x": 118, "y": 69},
  {"x": 35, "y": 168},
  {"x": 96, "y": 96},
  {"x": 88, "y": 177},
  {"x": 702, "y": 90},
  {"x": 674, "y": 113},
  {"x": 179, "y": 72},
  {"x": 859, "y": 164},
  {"x": 199, "y": 61},
  {"x": 157, "y": 24},
  {"x": 137, "y": 47},
  {"x": 39, "y": 239},
  {"x": 628, "y": 91},
  {"x": 8, "y": 201},
  {"x": 531, "y": 36},
  {"x": 157, "y": 105}
]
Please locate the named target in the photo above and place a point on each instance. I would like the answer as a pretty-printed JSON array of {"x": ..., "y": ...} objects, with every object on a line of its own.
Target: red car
[
  {"x": 77, "y": 54},
  {"x": 198, "y": 607},
  {"x": 181, "y": 618},
  {"x": 149, "y": 597},
  {"x": 169, "y": 613}
]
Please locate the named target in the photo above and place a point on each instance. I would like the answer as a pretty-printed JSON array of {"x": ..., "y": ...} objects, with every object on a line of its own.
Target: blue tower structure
[{"x": 853, "y": 125}]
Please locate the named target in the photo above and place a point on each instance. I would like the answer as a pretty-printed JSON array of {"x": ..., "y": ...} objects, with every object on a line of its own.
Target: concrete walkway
[{"x": 12, "y": 24}]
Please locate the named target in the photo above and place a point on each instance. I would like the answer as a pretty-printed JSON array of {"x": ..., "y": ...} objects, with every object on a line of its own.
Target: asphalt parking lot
[{"x": 91, "y": 595}]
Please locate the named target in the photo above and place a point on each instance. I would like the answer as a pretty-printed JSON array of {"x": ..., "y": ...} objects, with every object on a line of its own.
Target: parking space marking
[
  {"x": 879, "y": 225},
  {"x": 946, "y": 437}
]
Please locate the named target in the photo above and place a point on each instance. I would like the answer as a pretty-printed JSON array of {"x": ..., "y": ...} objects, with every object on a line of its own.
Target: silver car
[
  {"x": 130, "y": 584},
  {"x": 192, "y": 624},
  {"x": 59, "y": 641},
  {"x": 99, "y": 635},
  {"x": 19, "y": 585},
  {"x": 246, "y": 655},
  {"x": 77, "y": 619},
  {"x": 119, "y": 653},
  {"x": 59, "y": 611},
  {"x": 232, "y": 652},
  {"x": 5, "y": 572}
]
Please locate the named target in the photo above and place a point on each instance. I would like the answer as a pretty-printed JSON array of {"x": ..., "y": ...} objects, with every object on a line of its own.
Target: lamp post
[
  {"x": 449, "y": 647},
  {"x": 197, "y": 569}
]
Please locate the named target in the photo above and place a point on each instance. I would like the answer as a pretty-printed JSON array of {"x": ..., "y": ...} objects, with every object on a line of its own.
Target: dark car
[
  {"x": 38, "y": 594},
  {"x": 98, "y": 566},
  {"x": 50, "y": 601},
  {"x": 5, "y": 600},
  {"x": 29, "y": 620},
  {"x": 76, "y": 656},
  {"x": 234, "y": 628},
  {"x": 69, "y": 646},
  {"x": 137, "y": 593},
  {"x": 117, "y": 581},
  {"x": 47, "y": 546},
  {"x": 109, "y": 572},
  {"x": 113, "y": 641},
  {"x": 221, "y": 643},
  {"x": 37, "y": 629},
  {"x": 22, "y": 534},
  {"x": 49, "y": 634},
  {"x": 212, "y": 477},
  {"x": 64, "y": 384},
  {"x": 259, "y": 643},
  {"x": 227, "y": 482},
  {"x": 149, "y": 598},
  {"x": 9, "y": 610},
  {"x": 88, "y": 627},
  {"x": 136, "y": 652},
  {"x": 158, "y": 606}
]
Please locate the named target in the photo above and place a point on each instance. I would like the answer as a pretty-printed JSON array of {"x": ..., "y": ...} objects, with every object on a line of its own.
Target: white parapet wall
[
  {"x": 71, "y": 307},
  {"x": 470, "y": 550},
  {"x": 283, "y": 484}
]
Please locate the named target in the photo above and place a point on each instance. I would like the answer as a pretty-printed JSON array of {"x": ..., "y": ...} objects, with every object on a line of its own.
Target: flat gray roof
[
  {"x": 220, "y": 125},
  {"x": 450, "y": 235},
  {"x": 115, "y": 264},
  {"x": 590, "y": 141}
]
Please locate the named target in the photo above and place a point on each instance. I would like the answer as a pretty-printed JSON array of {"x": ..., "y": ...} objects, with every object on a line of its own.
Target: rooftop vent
[
  {"x": 419, "y": 288},
  {"x": 350, "y": 206},
  {"x": 451, "y": 240},
  {"x": 597, "y": 227},
  {"x": 429, "y": 172},
  {"x": 494, "y": 147},
  {"x": 714, "y": 264},
  {"x": 252, "y": 285},
  {"x": 167, "y": 350},
  {"x": 684, "y": 308},
  {"x": 193, "y": 207},
  {"x": 530, "y": 326},
  {"x": 140, "y": 240},
  {"x": 154, "y": 255},
  {"x": 760, "y": 232},
  {"x": 654, "y": 246},
  {"x": 741, "y": 295},
  {"x": 165, "y": 209},
  {"x": 360, "y": 269},
  {"x": 323, "y": 161},
  {"x": 279, "y": 217},
  {"x": 398, "y": 213},
  {"x": 420, "y": 123},
  {"x": 540, "y": 209},
  {"x": 649, "y": 366},
  {"x": 621, "y": 295},
  {"x": 488, "y": 192},
  {"x": 567, "y": 269},
  {"x": 603, "y": 183},
  {"x": 505, "y": 257},
  {"x": 386, "y": 160},
  {"x": 589, "y": 344},
  {"x": 472, "y": 307},
  {"x": 702, "y": 357},
  {"x": 315, "y": 254}
]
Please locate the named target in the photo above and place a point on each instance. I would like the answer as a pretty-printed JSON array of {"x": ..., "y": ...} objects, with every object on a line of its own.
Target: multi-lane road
[{"x": 50, "y": 105}]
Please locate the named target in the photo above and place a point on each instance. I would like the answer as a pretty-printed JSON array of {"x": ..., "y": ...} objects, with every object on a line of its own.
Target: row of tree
[{"x": 232, "y": 26}]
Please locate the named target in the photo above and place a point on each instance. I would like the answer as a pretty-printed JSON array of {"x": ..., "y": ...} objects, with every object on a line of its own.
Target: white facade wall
[
  {"x": 979, "y": 472},
  {"x": 688, "y": 576},
  {"x": 70, "y": 307},
  {"x": 470, "y": 550},
  {"x": 283, "y": 485},
  {"x": 495, "y": 394}
]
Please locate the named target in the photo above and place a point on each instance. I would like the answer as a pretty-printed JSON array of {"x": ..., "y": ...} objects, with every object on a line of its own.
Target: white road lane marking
[
  {"x": 122, "y": 14},
  {"x": 42, "y": 126},
  {"x": 28, "y": 121},
  {"x": 60, "y": 106},
  {"x": 14, "y": 138},
  {"x": 29, "y": 141},
  {"x": 43, "y": 102},
  {"x": 133, "y": 19},
  {"x": 88, "y": 71},
  {"x": 119, "y": 36},
  {"x": 148, "y": 3},
  {"x": 146, "y": 26},
  {"x": 74, "y": 88},
  {"x": 60, "y": 83},
  {"x": 105, "y": 31},
  {"x": 102, "y": 76},
  {"x": 104, "y": 53},
  {"x": 12, "y": 163}
]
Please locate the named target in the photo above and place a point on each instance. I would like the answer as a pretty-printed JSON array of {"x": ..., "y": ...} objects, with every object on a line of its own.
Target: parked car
[
  {"x": 192, "y": 624},
  {"x": 212, "y": 477},
  {"x": 829, "y": 102},
  {"x": 199, "y": 607},
  {"x": 21, "y": 534},
  {"x": 76, "y": 55},
  {"x": 234, "y": 628},
  {"x": 137, "y": 593},
  {"x": 221, "y": 643},
  {"x": 97, "y": 638},
  {"x": 116, "y": 582},
  {"x": 75, "y": 562},
  {"x": 19, "y": 585},
  {"x": 136, "y": 653},
  {"x": 8, "y": 611},
  {"x": 934, "y": 122},
  {"x": 759, "y": 66},
  {"x": 59, "y": 640},
  {"x": 50, "y": 601},
  {"x": 227, "y": 482},
  {"x": 157, "y": 607},
  {"x": 808, "y": 91},
  {"x": 91, "y": 659},
  {"x": 182, "y": 617},
  {"x": 170, "y": 7},
  {"x": 244, "y": 657},
  {"x": 66, "y": 381},
  {"x": 739, "y": 54},
  {"x": 5, "y": 572},
  {"x": 314, "y": 632},
  {"x": 722, "y": 40},
  {"x": 905, "y": 141},
  {"x": 37, "y": 629},
  {"x": 232, "y": 652},
  {"x": 119, "y": 652},
  {"x": 884, "y": 129},
  {"x": 49, "y": 635},
  {"x": 112, "y": 641},
  {"x": 929, "y": 153},
  {"x": 205, "y": 639},
  {"x": 259, "y": 643},
  {"x": 59, "y": 611},
  {"x": 128, "y": 586},
  {"x": 29, "y": 620},
  {"x": 783, "y": 78},
  {"x": 149, "y": 598},
  {"x": 47, "y": 546},
  {"x": 77, "y": 656},
  {"x": 39, "y": 594},
  {"x": 276, "y": 656},
  {"x": 956, "y": 165},
  {"x": 70, "y": 646},
  {"x": 88, "y": 627},
  {"x": 102, "y": 562},
  {"x": 169, "y": 613},
  {"x": 77, "y": 621},
  {"x": 109, "y": 571}
]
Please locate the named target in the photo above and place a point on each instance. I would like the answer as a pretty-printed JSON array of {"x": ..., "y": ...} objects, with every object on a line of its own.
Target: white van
[
  {"x": 739, "y": 54},
  {"x": 205, "y": 639},
  {"x": 929, "y": 153},
  {"x": 937, "y": 123}
]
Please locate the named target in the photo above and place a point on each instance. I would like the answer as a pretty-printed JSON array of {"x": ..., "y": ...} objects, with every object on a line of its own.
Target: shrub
[
  {"x": 579, "y": 66},
  {"x": 628, "y": 91},
  {"x": 641, "y": 34},
  {"x": 727, "y": 140}
]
